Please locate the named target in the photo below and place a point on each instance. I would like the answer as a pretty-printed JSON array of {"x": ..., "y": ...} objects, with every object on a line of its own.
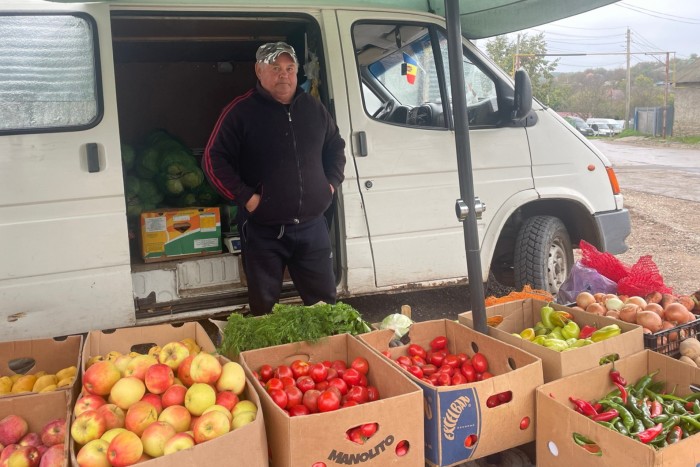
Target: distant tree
[{"x": 503, "y": 51}]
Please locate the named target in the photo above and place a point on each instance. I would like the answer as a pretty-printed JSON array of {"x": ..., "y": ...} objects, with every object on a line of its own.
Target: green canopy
[{"x": 479, "y": 18}]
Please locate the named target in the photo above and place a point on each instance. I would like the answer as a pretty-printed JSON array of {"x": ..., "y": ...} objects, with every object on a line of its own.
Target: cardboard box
[
  {"x": 522, "y": 314},
  {"x": 458, "y": 425},
  {"x": 38, "y": 410},
  {"x": 557, "y": 421},
  {"x": 247, "y": 445},
  {"x": 176, "y": 233},
  {"x": 321, "y": 438},
  {"x": 49, "y": 355}
]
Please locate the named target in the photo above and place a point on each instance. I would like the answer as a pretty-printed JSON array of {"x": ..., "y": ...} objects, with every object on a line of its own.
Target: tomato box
[
  {"x": 322, "y": 438},
  {"x": 458, "y": 424},
  {"x": 522, "y": 314},
  {"x": 59, "y": 358},
  {"x": 38, "y": 410},
  {"x": 557, "y": 421},
  {"x": 247, "y": 444}
]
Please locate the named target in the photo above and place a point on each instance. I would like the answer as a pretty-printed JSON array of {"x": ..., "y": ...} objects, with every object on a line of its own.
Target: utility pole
[
  {"x": 628, "y": 91},
  {"x": 666, "y": 81}
]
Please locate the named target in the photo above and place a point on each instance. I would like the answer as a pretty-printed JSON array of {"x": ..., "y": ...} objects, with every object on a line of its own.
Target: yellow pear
[
  {"x": 95, "y": 359},
  {"x": 154, "y": 351},
  {"x": 65, "y": 382},
  {"x": 49, "y": 388},
  {"x": 15, "y": 377},
  {"x": 43, "y": 381},
  {"x": 5, "y": 385},
  {"x": 191, "y": 345},
  {"x": 112, "y": 355},
  {"x": 39, "y": 374},
  {"x": 66, "y": 372}
]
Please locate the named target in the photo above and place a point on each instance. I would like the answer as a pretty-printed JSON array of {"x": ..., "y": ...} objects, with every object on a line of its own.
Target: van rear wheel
[{"x": 543, "y": 254}]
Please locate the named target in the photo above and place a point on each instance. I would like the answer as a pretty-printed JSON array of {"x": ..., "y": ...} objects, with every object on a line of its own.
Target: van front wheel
[{"x": 543, "y": 254}]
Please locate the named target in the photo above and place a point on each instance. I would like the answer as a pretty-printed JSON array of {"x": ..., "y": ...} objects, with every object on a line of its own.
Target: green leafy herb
[{"x": 290, "y": 323}]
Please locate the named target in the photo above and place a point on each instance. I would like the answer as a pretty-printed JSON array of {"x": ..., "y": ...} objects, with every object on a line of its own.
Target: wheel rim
[{"x": 557, "y": 265}]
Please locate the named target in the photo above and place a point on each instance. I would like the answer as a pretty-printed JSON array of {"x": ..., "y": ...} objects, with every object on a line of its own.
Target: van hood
[{"x": 479, "y": 18}]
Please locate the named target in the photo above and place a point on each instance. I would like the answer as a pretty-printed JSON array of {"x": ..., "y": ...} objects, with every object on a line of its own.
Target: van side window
[
  {"x": 48, "y": 80},
  {"x": 399, "y": 74}
]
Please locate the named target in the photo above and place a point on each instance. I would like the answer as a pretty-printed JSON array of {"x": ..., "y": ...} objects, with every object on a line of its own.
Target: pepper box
[
  {"x": 458, "y": 423},
  {"x": 323, "y": 438},
  {"x": 522, "y": 314},
  {"x": 559, "y": 426}
]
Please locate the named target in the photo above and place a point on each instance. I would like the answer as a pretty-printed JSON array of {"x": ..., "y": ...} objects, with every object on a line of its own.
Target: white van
[{"x": 77, "y": 80}]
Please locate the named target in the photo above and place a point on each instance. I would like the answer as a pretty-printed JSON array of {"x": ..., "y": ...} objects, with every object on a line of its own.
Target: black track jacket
[{"x": 287, "y": 155}]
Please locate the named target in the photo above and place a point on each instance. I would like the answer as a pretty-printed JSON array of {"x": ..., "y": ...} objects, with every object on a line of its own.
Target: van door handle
[
  {"x": 362, "y": 144},
  {"x": 93, "y": 157}
]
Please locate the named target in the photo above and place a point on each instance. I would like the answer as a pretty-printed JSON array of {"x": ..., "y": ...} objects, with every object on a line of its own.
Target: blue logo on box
[{"x": 453, "y": 436}]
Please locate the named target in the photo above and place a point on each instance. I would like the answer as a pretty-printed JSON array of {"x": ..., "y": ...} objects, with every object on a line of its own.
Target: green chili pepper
[
  {"x": 546, "y": 313},
  {"x": 570, "y": 330},
  {"x": 692, "y": 397},
  {"x": 644, "y": 382},
  {"x": 625, "y": 415},
  {"x": 675, "y": 434},
  {"x": 606, "y": 332},
  {"x": 657, "y": 386},
  {"x": 653, "y": 395},
  {"x": 696, "y": 407},
  {"x": 555, "y": 334},
  {"x": 671, "y": 397},
  {"x": 607, "y": 425},
  {"x": 581, "y": 440},
  {"x": 691, "y": 421},
  {"x": 619, "y": 426},
  {"x": 557, "y": 345},
  {"x": 638, "y": 426},
  {"x": 633, "y": 405},
  {"x": 679, "y": 409},
  {"x": 661, "y": 418}
]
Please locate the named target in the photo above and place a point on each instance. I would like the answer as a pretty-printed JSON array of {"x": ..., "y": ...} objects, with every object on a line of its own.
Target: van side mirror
[{"x": 522, "y": 102}]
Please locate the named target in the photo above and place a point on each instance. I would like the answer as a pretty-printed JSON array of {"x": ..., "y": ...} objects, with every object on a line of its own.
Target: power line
[
  {"x": 633, "y": 8},
  {"x": 643, "y": 10}
]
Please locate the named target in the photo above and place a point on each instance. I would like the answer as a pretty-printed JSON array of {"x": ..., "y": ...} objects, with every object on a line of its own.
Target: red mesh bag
[
  {"x": 605, "y": 263},
  {"x": 643, "y": 279}
]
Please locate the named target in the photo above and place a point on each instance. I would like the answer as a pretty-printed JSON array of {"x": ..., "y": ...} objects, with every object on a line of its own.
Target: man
[{"x": 278, "y": 154}]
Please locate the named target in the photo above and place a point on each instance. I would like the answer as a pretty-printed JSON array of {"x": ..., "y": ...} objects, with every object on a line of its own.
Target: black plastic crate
[{"x": 669, "y": 340}]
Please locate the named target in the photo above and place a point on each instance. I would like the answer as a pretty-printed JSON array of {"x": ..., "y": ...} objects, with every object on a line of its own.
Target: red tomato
[
  {"x": 459, "y": 378},
  {"x": 404, "y": 360},
  {"x": 469, "y": 372},
  {"x": 479, "y": 363},
  {"x": 279, "y": 397},
  {"x": 415, "y": 350},
  {"x": 347, "y": 403},
  {"x": 358, "y": 394},
  {"x": 283, "y": 370},
  {"x": 429, "y": 369},
  {"x": 328, "y": 401},
  {"x": 434, "y": 378},
  {"x": 351, "y": 376},
  {"x": 363, "y": 380},
  {"x": 463, "y": 358},
  {"x": 335, "y": 390},
  {"x": 326, "y": 363},
  {"x": 505, "y": 396},
  {"x": 310, "y": 400},
  {"x": 360, "y": 364},
  {"x": 444, "y": 379},
  {"x": 318, "y": 372},
  {"x": 368, "y": 429},
  {"x": 402, "y": 448},
  {"x": 446, "y": 369},
  {"x": 297, "y": 410},
  {"x": 322, "y": 385},
  {"x": 525, "y": 423},
  {"x": 340, "y": 384},
  {"x": 294, "y": 396},
  {"x": 452, "y": 360},
  {"x": 318, "y": 464},
  {"x": 305, "y": 383},
  {"x": 287, "y": 381},
  {"x": 273, "y": 383},
  {"x": 299, "y": 368},
  {"x": 339, "y": 365},
  {"x": 485, "y": 375},
  {"x": 436, "y": 358},
  {"x": 416, "y": 371},
  {"x": 372, "y": 393},
  {"x": 492, "y": 401},
  {"x": 439, "y": 343},
  {"x": 387, "y": 354},
  {"x": 265, "y": 372},
  {"x": 355, "y": 435},
  {"x": 420, "y": 361},
  {"x": 332, "y": 373}
]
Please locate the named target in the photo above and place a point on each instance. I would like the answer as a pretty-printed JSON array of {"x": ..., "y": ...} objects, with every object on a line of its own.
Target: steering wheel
[{"x": 385, "y": 110}]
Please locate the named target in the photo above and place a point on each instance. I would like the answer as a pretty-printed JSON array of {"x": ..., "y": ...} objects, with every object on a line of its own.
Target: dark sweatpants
[{"x": 306, "y": 251}]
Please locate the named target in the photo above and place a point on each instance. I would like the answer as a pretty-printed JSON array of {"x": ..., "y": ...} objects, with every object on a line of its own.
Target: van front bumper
[{"x": 613, "y": 227}]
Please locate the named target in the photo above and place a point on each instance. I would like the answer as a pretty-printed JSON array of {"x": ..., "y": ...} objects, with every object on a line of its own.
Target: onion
[
  {"x": 639, "y": 301},
  {"x": 613, "y": 303},
  {"x": 676, "y": 313},
  {"x": 656, "y": 308},
  {"x": 654, "y": 297},
  {"x": 584, "y": 299},
  {"x": 649, "y": 320},
  {"x": 613, "y": 314},
  {"x": 596, "y": 308},
  {"x": 628, "y": 313},
  {"x": 599, "y": 297},
  {"x": 673, "y": 336}
]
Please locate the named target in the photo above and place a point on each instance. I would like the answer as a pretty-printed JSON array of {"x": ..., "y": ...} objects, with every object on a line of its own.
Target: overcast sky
[{"x": 667, "y": 26}]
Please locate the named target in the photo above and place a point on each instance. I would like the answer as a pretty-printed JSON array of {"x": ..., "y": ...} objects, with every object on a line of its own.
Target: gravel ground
[{"x": 667, "y": 229}]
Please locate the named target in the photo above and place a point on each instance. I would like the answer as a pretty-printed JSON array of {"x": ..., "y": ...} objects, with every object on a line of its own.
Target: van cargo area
[{"x": 176, "y": 72}]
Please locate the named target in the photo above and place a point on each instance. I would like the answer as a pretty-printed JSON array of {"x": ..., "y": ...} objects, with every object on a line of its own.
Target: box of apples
[
  {"x": 479, "y": 392},
  {"x": 160, "y": 395},
  {"x": 334, "y": 402},
  {"x": 33, "y": 430}
]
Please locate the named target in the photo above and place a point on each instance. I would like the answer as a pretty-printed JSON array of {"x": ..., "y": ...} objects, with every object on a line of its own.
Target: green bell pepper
[
  {"x": 606, "y": 332},
  {"x": 571, "y": 330}
]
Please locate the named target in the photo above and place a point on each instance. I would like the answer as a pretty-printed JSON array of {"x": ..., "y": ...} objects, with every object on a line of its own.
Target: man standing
[{"x": 278, "y": 154}]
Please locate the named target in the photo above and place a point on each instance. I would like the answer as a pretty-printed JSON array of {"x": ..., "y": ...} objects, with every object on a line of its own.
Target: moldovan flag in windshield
[{"x": 410, "y": 67}]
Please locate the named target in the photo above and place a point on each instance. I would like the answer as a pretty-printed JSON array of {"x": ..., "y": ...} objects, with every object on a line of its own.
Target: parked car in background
[
  {"x": 600, "y": 126},
  {"x": 580, "y": 125},
  {"x": 617, "y": 126}
]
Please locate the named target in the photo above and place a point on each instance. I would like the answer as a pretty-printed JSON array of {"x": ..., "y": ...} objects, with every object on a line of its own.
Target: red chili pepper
[
  {"x": 616, "y": 377},
  {"x": 623, "y": 392},
  {"x": 585, "y": 407},
  {"x": 650, "y": 433},
  {"x": 605, "y": 416},
  {"x": 598, "y": 407},
  {"x": 656, "y": 409},
  {"x": 587, "y": 331}
]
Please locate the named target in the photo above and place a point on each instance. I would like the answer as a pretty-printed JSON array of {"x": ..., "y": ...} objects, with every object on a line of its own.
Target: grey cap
[{"x": 268, "y": 53}]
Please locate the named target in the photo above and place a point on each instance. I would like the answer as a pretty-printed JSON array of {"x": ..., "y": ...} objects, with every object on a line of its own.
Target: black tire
[{"x": 543, "y": 254}]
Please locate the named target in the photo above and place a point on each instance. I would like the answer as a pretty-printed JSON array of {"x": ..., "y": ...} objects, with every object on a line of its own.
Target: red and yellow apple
[
  {"x": 179, "y": 442},
  {"x": 94, "y": 454},
  {"x": 159, "y": 377},
  {"x": 127, "y": 391},
  {"x": 174, "y": 395},
  {"x": 173, "y": 353},
  {"x": 205, "y": 368},
  {"x": 23, "y": 456},
  {"x": 242, "y": 419},
  {"x": 199, "y": 397},
  {"x": 232, "y": 378},
  {"x": 12, "y": 429},
  {"x": 125, "y": 449},
  {"x": 227, "y": 399},
  {"x": 177, "y": 416},
  {"x": 155, "y": 436},
  {"x": 111, "y": 434},
  {"x": 100, "y": 377},
  {"x": 113, "y": 414},
  {"x": 88, "y": 402},
  {"x": 154, "y": 400},
  {"x": 55, "y": 456},
  {"x": 138, "y": 365},
  {"x": 54, "y": 432},
  {"x": 210, "y": 425},
  {"x": 87, "y": 426},
  {"x": 183, "y": 371},
  {"x": 244, "y": 406},
  {"x": 139, "y": 416}
]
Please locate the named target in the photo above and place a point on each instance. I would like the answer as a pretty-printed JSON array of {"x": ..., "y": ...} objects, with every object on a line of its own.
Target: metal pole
[{"x": 464, "y": 163}]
